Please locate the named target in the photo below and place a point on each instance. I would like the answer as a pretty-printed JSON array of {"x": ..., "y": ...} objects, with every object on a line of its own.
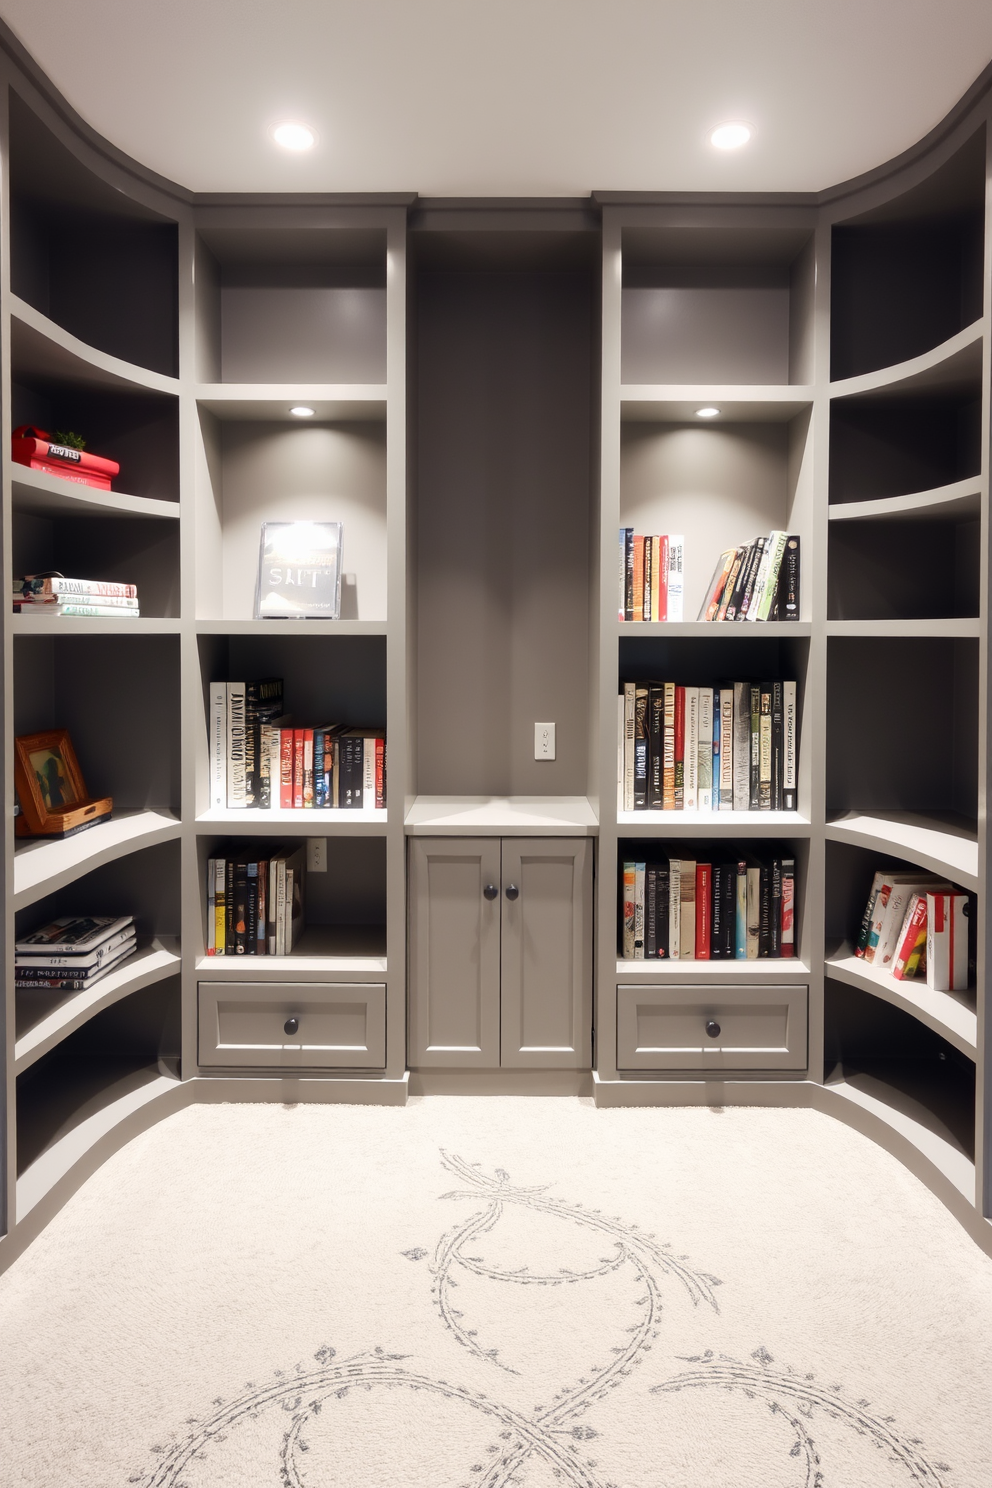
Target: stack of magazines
[{"x": 73, "y": 953}]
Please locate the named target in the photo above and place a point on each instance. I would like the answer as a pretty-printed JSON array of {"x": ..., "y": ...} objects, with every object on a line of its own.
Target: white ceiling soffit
[{"x": 510, "y": 97}]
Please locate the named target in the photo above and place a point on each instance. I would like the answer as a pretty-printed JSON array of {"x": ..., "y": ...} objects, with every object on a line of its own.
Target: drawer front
[
  {"x": 665, "y": 1028},
  {"x": 340, "y": 1025}
]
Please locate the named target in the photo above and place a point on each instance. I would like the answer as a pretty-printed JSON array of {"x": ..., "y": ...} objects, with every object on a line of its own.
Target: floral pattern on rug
[{"x": 556, "y": 1437}]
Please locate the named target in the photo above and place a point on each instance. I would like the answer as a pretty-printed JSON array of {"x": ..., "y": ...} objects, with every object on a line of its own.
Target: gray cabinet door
[
  {"x": 454, "y": 953},
  {"x": 546, "y": 957}
]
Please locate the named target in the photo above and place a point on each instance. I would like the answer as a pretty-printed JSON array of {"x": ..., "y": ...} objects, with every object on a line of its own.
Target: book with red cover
[
  {"x": 286, "y": 754},
  {"x": 704, "y": 885},
  {"x": 638, "y": 577},
  {"x": 32, "y": 447},
  {"x": 298, "y": 746},
  {"x": 380, "y": 773}
]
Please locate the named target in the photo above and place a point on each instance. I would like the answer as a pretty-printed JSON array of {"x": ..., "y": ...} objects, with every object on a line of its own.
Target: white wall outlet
[
  {"x": 317, "y": 854},
  {"x": 544, "y": 741}
]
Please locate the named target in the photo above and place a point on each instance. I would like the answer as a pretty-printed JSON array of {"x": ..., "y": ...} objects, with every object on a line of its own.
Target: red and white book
[
  {"x": 32, "y": 446},
  {"x": 704, "y": 900},
  {"x": 913, "y": 926},
  {"x": 947, "y": 941}
]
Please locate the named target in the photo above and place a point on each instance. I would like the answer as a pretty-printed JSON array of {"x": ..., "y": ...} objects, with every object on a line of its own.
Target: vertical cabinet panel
[
  {"x": 546, "y": 954},
  {"x": 454, "y": 953}
]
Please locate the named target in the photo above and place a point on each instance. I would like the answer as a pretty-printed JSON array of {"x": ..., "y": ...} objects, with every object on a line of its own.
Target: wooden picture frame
[{"x": 51, "y": 789}]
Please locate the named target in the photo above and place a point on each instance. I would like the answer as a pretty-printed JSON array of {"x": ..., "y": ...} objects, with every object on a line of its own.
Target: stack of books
[
  {"x": 650, "y": 576},
  {"x": 54, "y": 594},
  {"x": 915, "y": 925},
  {"x": 679, "y": 909},
  {"x": 758, "y": 581},
  {"x": 73, "y": 953},
  {"x": 255, "y": 901},
  {"x": 258, "y": 760},
  {"x": 729, "y": 748},
  {"x": 40, "y": 450}
]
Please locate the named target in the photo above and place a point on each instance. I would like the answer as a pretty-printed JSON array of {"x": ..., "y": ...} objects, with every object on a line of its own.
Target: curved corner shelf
[
  {"x": 954, "y": 363},
  {"x": 101, "y": 1114},
  {"x": 39, "y": 347},
  {"x": 949, "y": 629},
  {"x": 43, "y": 495},
  {"x": 782, "y": 969},
  {"x": 948, "y": 1013},
  {"x": 41, "y": 865},
  {"x": 292, "y": 627},
  {"x": 36, "y": 625},
  {"x": 677, "y": 403},
  {"x": 712, "y": 824},
  {"x": 946, "y": 845},
  {"x": 906, "y": 1128},
  {"x": 961, "y": 498},
  {"x": 151, "y": 962},
  {"x": 331, "y": 822},
  {"x": 715, "y": 630},
  {"x": 361, "y": 401}
]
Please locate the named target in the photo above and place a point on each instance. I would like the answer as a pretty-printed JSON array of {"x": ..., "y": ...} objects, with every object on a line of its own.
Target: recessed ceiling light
[
  {"x": 294, "y": 137},
  {"x": 302, "y": 411},
  {"x": 707, "y": 413},
  {"x": 731, "y": 136}
]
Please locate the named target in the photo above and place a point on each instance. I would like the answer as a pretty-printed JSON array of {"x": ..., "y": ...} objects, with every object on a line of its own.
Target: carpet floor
[{"x": 498, "y": 1293}]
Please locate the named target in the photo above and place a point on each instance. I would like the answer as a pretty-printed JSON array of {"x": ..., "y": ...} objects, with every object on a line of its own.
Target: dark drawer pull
[
  {"x": 291, "y": 1025},
  {"x": 712, "y": 1028},
  {"x": 512, "y": 892},
  {"x": 490, "y": 891}
]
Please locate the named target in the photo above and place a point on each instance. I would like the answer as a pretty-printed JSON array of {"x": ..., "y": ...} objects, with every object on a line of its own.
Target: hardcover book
[{"x": 299, "y": 571}]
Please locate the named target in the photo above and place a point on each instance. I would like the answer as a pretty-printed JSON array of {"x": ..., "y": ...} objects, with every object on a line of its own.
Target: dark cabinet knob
[
  {"x": 712, "y": 1028},
  {"x": 512, "y": 892},
  {"x": 490, "y": 891},
  {"x": 291, "y": 1025}
]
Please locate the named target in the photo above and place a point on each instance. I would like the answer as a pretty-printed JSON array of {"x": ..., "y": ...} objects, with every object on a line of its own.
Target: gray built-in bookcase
[{"x": 498, "y": 386}]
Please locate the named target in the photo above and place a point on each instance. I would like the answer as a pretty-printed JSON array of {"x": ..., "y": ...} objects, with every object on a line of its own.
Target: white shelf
[
  {"x": 35, "y": 625},
  {"x": 43, "y": 865},
  {"x": 954, "y": 363},
  {"x": 960, "y": 499},
  {"x": 907, "y": 629},
  {"x": 519, "y": 816},
  {"x": 712, "y": 824},
  {"x": 150, "y": 963},
  {"x": 292, "y": 627},
  {"x": 677, "y": 403},
  {"x": 716, "y": 629},
  {"x": 779, "y": 969},
  {"x": 324, "y": 952},
  {"x": 913, "y": 1122},
  {"x": 120, "y": 1101},
  {"x": 360, "y": 401},
  {"x": 46, "y": 495},
  {"x": 950, "y": 1014},
  {"x": 941, "y": 844},
  {"x": 326, "y": 822},
  {"x": 41, "y": 348}
]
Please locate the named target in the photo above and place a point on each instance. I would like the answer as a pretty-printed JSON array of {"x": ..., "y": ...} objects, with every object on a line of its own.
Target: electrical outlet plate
[
  {"x": 317, "y": 854},
  {"x": 544, "y": 741}
]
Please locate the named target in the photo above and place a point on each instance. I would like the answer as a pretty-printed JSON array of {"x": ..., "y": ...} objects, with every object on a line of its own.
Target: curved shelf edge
[
  {"x": 150, "y": 963},
  {"x": 946, "y": 1013},
  {"x": 45, "y": 495},
  {"x": 41, "y": 867},
  {"x": 921, "y": 839},
  {"x": 957, "y": 359},
  {"x": 91, "y": 365},
  {"x": 960, "y": 499}
]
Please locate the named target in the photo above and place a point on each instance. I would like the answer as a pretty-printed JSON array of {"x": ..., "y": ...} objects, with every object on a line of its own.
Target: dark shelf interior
[
  {"x": 697, "y": 661},
  {"x": 889, "y": 570},
  {"x": 99, "y": 263},
  {"x": 119, "y": 1050},
  {"x": 917, "y": 701},
  {"x": 894, "y": 1057},
  {"x": 326, "y": 679},
  {"x": 904, "y": 442},
  {"x": 118, "y": 695},
  {"x": 143, "y": 551},
  {"x": 908, "y": 276}
]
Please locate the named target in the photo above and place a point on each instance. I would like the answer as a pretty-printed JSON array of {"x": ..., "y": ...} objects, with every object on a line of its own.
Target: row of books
[
  {"x": 679, "y": 909},
  {"x": 916, "y": 925},
  {"x": 258, "y": 759},
  {"x": 651, "y": 576},
  {"x": 729, "y": 748},
  {"x": 72, "y": 953},
  {"x": 54, "y": 594},
  {"x": 255, "y": 901},
  {"x": 757, "y": 581}
]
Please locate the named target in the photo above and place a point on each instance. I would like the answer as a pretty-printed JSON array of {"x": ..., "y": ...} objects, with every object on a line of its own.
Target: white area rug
[{"x": 486, "y": 1293}]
